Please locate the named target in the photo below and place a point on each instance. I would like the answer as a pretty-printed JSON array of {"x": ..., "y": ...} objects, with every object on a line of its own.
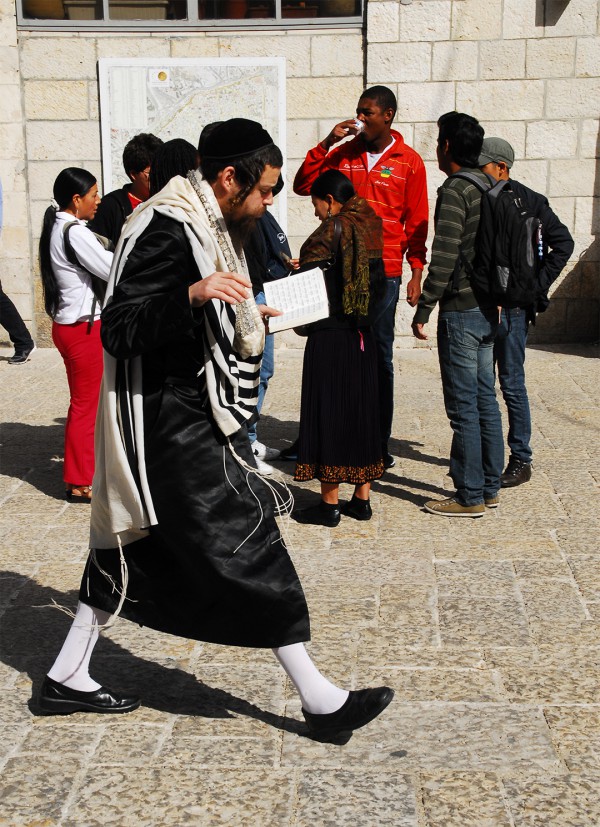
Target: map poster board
[{"x": 177, "y": 97}]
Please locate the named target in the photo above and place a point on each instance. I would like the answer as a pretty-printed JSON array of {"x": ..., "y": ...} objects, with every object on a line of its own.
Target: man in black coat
[{"x": 496, "y": 159}]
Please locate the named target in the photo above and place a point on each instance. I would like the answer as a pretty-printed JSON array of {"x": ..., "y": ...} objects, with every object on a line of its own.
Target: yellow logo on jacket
[{"x": 385, "y": 172}]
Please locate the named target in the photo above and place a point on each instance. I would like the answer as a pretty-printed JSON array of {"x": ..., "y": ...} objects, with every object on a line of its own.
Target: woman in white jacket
[{"x": 67, "y": 267}]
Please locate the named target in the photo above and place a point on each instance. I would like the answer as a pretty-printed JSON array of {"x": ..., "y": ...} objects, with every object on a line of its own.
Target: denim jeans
[
  {"x": 383, "y": 329},
  {"x": 14, "y": 325},
  {"x": 509, "y": 355},
  {"x": 267, "y": 369},
  {"x": 465, "y": 349}
]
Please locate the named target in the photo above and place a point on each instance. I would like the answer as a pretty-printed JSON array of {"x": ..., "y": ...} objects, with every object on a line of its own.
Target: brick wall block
[
  {"x": 9, "y": 63},
  {"x": 301, "y": 220},
  {"x": 456, "y": 60},
  {"x": 578, "y": 17},
  {"x": 552, "y": 139},
  {"x": 407, "y": 130},
  {"x": 550, "y": 58},
  {"x": 93, "y": 101},
  {"x": 425, "y": 140},
  {"x": 435, "y": 179},
  {"x": 520, "y": 19},
  {"x": 52, "y": 140},
  {"x": 338, "y": 54},
  {"x": 502, "y": 59},
  {"x": 302, "y": 136},
  {"x": 44, "y": 174},
  {"x": 526, "y": 98},
  {"x": 582, "y": 319},
  {"x": 399, "y": 62},
  {"x": 127, "y": 46},
  {"x": 511, "y": 131},
  {"x": 587, "y": 215},
  {"x": 195, "y": 46},
  {"x": 72, "y": 58},
  {"x": 15, "y": 214},
  {"x": 587, "y": 63},
  {"x": 383, "y": 22},
  {"x": 425, "y": 21},
  {"x": 295, "y": 48},
  {"x": 577, "y": 97},
  {"x": 323, "y": 97},
  {"x": 533, "y": 174},
  {"x": 16, "y": 276},
  {"x": 15, "y": 240},
  {"x": 23, "y": 303},
  {"x": 577, "y": 178},
  {"x": 477, "y": 20},
  {"x": 589, "y": 280},
  {"x": 12, "y": 175},
  {"x": 565, "y": 210},
  {"x": 425, "y": 102},
  {"x": 10, "y": 108},
  {"x": 51, "y": 100},
  {"x": 11, "y": 141},
  {"x": 590, "y": 139}
]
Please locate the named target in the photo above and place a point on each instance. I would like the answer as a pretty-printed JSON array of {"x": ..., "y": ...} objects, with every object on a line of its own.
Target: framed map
[{"x": 177, "y": 97}]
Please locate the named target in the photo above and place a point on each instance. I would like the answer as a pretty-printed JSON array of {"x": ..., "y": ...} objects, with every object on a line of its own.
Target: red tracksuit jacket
[{"x": 396, "y": 188}]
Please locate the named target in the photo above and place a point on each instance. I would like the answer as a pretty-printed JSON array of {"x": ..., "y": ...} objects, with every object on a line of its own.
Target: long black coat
[{"x": 215, "y": 567}]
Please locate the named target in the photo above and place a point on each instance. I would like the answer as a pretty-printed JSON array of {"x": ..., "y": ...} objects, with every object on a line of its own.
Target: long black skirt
[
  {"x": 339, "y": 411},
  {"x": 215, "y": 567}
]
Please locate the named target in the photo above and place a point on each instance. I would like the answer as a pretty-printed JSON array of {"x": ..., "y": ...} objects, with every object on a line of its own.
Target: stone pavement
[{"x": 488, "y": 630}]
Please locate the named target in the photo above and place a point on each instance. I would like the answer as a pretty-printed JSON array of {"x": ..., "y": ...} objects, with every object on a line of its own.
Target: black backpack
[{"x": 508, "y": 246}]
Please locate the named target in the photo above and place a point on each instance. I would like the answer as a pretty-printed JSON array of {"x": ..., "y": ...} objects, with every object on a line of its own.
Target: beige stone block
[
  {"x": 425, "y": 140},
  {"x": 576, "y": 178},
  {"x": 14, "y": 214},
  {"x": 456, "y": 60},
  {"x": 323, "y": 97},
  {"x": 48, "y": 141},
  {"x": 196, "y": 46},
  {"x": 458, "y": 799},
  {"x": 301, "y": 136},
  {"x": 296, "y": 49},
  {"x": 533, "y": 174},
  {"x": 576, "y": 732},
  {"x": 565, "y": 210},
  {"x": 587, "y": 215},
  {"x": 425, "y": 102},
  {"x": 407, "y": 130},
  {"x": 9, "y": 63},
  {"x": 10, "y": 105},
  {"x": 571, "y": 19},
  {"x": 533, "y": 802},
  {"x": 587, "y": 63},
  {"x": 56, "y": 100},
  {"x": 552, "y": 139},
  {"x": 526, "y": 98},
  {"x": 550, "y": 58},
  {"x": 72, "y": 58},
  {"x": 401, "y": 62},
  {"x": 511, "y": 131},
  {"x": 578, "y": 97},
  {"x": 127, "y": 46},
  {"x": 501, "y": 59},
  {"x": 11, "y": 141},
  {"x": 337, "y": 55},
  {"x": 383, "y": 22},
  {"x": 520, "y": 18},
  {"x": 590, "y": 141},
  {"x": 12, "y": 175},
  {"x": 425, "y": 21},
  {"x": 477, "y": 20}
]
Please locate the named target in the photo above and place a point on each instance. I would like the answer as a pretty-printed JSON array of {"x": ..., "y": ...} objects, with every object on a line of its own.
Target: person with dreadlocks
[
  {"x": 339, "y": 412},
  {"x": 175, "y": 157},
  {"x": 183, "y": 534}
]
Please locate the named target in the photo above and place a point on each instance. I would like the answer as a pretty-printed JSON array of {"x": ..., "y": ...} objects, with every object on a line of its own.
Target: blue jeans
[
  {"x": 383, "y": 329},
  {"x": 465, "y": 349},
  {"x": 509, "y": 355},
  {"x": 267, "y": 369}
]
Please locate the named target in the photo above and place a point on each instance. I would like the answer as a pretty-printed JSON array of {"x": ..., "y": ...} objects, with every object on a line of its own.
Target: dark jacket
[
  {"x": 111, "y": 214},
  {"x": 557, "y": 242},
  {"x": 263, "y": 252}
]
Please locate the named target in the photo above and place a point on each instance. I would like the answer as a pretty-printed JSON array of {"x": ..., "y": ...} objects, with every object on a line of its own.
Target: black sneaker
[
  {"x": 21, "y": 356},
  {"x": 517, "y": 472}
]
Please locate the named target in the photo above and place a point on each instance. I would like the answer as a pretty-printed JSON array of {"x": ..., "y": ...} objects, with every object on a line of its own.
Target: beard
[{"x": 241, "y": 228}]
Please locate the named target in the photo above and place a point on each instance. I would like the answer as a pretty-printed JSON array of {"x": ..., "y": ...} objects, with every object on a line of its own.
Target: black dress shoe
[
  {"x": 289, "y": 454},
  {"x": 57, "y": 699},
  {"x": 321, "y": 514},
  {"x": 516, "y": 473},
  {"x": 360, "y": 708},
  {"x": 357, "y": 508},
  {"x": 388, "y": 460}
]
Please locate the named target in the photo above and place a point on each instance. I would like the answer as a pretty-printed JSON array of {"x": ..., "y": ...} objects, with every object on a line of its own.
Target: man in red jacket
[{"x": 391, "y": 177}]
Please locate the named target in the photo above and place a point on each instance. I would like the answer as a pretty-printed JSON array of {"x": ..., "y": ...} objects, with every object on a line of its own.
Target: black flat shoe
[
  {"x": 289, "y": 454},
  {"x": 321, "y": 514},
  {"x": 360, "y": 708},
  {"x": 57, "y": 699},
  {"x": 388, "y": 460},
  {"x": 357, "y": 509}
]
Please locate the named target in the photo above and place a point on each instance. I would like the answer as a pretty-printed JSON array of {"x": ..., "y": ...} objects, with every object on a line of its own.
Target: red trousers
[{"x": 81, "y": 350}]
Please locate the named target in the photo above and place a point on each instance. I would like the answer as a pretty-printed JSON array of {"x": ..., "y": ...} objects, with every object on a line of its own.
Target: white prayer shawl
[{"x": 122, "y": 511}]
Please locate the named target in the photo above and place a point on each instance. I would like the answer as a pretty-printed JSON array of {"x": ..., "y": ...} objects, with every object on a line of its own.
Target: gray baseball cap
[{"x": 494, "y": 150}]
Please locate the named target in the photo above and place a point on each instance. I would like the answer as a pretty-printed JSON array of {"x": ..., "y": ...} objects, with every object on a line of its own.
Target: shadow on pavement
[{"x": 34, "y": 453}]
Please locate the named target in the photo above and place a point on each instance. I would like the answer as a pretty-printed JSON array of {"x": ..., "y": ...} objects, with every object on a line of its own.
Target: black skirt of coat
[{"x": 214, "y": 568}]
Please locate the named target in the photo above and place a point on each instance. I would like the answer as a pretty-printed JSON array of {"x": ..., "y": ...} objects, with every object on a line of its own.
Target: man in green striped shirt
[{"x": 467, "y": 325}]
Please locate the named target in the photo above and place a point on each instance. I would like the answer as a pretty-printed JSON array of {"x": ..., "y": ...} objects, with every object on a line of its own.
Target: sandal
[{"x": 79, "y": 494}]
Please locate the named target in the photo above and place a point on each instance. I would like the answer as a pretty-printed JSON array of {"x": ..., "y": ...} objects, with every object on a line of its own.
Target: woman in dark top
[{"x": 339, "y": 416}]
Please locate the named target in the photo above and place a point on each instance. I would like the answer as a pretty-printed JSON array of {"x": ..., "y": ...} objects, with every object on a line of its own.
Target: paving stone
[
  {"x": 461, "y": 799},
  {"x": 571, "y": 801}
]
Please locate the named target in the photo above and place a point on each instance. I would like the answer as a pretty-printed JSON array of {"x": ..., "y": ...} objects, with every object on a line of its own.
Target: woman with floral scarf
[{"x": 339, "y": 416}]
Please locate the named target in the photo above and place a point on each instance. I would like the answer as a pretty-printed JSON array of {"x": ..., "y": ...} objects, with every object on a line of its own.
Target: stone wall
[{"x": 529, "y": 69}]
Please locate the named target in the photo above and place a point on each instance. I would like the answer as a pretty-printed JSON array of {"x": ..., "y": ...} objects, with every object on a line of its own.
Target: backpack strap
[{"x": 98, "y": 285}]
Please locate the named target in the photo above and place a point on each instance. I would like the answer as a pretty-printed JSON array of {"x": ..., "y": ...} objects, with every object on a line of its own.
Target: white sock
[
  {"x": 71, "y": 667},
  {"x": 317, "y": 694}
]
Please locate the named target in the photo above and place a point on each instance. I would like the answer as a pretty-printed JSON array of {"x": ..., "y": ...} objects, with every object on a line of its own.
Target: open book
[{"x": 302, "y": 297}]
